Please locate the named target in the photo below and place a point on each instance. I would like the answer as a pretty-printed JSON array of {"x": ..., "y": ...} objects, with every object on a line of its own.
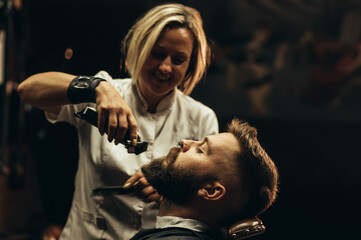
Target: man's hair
[
  {"x": 258, "y": 172},
  {"x": 139, "y": 41}
]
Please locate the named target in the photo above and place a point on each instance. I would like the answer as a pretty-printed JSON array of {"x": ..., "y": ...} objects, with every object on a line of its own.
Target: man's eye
[{"x": 199, "y": 150}]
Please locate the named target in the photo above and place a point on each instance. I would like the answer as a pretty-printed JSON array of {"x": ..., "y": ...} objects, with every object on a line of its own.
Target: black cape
[{"x": 174, "y": 233}]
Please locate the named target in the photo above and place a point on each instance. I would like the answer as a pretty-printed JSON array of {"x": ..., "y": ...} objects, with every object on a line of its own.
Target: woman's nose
[{"x": 165, "y": 66}]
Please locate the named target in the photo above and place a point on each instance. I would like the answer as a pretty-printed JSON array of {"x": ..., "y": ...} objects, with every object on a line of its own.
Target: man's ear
[{"x": 212, "y": 191}]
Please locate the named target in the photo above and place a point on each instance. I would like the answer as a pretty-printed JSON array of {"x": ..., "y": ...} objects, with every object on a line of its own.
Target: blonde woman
[{"x": 166, "y": 54}]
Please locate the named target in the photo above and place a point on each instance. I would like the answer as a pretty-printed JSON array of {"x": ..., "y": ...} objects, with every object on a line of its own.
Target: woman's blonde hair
[{"x": 139, "y": 41}]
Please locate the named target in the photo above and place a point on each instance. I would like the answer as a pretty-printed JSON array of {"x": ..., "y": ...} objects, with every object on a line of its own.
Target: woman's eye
[
  {"x": 177, "y": 61},
  {"x": 158, "y": 55},
  {"x": 199, "y": 150}
]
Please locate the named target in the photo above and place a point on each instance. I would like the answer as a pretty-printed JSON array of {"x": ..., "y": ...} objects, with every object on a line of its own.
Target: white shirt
[
  {"x": 104, "y": 164},
  {"x": 170, "y": 221}
]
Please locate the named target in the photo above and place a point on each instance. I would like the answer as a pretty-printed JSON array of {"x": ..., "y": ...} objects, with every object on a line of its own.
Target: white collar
[
  {"x": 170, "y": 221},
  {"x": 164, "y": 104}
]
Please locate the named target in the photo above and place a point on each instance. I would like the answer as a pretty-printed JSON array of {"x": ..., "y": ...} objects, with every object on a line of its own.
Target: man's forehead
[{"x": 225, "y": 141}]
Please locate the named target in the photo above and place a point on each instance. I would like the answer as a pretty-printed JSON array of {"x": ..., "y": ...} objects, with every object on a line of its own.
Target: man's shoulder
[{"x": 172, "y": 233}]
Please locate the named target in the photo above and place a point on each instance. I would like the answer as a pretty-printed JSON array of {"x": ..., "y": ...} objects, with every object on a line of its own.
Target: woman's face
[{"x": 167, "y": 64}]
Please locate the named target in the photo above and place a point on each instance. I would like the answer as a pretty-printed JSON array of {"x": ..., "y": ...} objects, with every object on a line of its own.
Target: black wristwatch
[{"x": 82, "y": 89}]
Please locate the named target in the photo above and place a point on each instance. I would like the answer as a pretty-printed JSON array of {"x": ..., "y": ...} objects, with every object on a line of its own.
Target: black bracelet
[{"x": 82, "y": 89}]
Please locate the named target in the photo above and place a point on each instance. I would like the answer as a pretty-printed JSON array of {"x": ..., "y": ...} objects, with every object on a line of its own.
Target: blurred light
[
  {"x": 68, "y": 53},
  {"x": 18, "y": 4}
]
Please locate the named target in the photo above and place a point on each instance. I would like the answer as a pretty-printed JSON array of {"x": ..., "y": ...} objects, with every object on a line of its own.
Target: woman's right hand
[
  {"x": 142, "y": 189},
  {"x": 114, "y": 114}
]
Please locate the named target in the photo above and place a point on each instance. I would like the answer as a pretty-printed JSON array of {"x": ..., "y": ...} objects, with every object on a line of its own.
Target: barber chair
[{"x": 245, "y": 228}]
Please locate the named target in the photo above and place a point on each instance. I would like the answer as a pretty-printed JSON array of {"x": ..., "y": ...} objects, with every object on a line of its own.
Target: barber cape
[
  {"x": 170, "y": 227},
  {"x": 174, "y": 233}
]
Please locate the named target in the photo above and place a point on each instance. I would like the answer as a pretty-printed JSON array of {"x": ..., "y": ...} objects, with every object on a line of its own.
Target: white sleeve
[{"x": 66, "y": 113}]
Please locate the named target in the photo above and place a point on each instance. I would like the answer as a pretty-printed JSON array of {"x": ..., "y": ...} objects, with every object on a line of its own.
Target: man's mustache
[{"x": 172, "y": 155}]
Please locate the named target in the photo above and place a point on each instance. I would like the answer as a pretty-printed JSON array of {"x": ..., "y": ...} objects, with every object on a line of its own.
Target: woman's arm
[{"x": 49, "y": 91}]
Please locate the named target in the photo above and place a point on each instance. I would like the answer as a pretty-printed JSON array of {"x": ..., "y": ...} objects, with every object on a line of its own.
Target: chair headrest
[{"x": 245, "y": 228}]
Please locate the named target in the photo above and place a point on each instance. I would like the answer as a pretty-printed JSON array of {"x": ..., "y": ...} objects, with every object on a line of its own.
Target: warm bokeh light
[{"x": 68, "y": 53}]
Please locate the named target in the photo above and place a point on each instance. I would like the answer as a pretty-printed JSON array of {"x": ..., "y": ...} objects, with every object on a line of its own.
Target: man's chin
[{"x": 155, "y": 169}]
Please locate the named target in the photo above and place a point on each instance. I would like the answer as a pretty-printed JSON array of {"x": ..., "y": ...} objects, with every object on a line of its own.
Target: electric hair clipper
[{"x": 90, "y": 115}]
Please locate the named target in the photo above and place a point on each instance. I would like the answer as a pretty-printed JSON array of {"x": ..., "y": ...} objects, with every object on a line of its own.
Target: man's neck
[{"x": 168, "y": 208}]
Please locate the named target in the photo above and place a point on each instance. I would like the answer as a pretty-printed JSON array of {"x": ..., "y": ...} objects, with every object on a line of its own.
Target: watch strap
[{"x": 82, "y": 89}]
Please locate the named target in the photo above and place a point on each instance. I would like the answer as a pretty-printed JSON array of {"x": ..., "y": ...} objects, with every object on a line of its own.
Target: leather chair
[{"x": 245, "y": 228}]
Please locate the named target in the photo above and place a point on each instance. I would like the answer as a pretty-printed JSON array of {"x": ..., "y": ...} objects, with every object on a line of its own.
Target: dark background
[{"x": 311, "y": 127}]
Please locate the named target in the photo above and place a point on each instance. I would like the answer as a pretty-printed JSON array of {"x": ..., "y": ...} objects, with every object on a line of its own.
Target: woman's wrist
[{"x": 82, "y": 89}]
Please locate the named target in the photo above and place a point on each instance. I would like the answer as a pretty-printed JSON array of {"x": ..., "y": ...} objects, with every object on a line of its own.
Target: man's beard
[{"x": 176, "y": 184}]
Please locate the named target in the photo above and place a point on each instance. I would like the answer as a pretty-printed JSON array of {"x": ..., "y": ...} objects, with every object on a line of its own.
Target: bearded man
[{"x": 207, "y": 185}]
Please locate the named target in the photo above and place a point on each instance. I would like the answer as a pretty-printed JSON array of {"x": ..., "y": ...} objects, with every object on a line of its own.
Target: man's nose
[
  {"x": 187, "y": 144},
  {"x": 165, "y": 66}
]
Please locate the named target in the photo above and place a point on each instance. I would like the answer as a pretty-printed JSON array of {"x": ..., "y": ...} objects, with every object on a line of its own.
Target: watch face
[{"x": 82, "y": 82}]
